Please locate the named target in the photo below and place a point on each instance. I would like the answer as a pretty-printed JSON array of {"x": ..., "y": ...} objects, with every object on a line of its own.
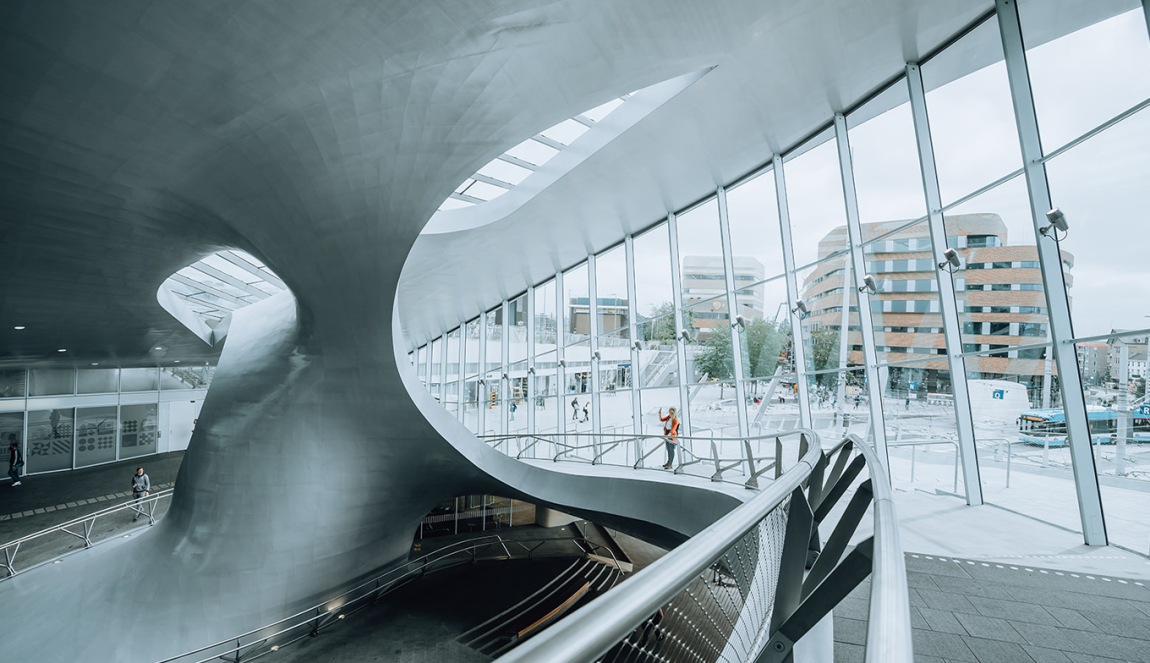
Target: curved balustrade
[
  {"x": 720, "y": 459},
  {"x": 81, "y": 528},
  {"x": 767, "y": 560}
]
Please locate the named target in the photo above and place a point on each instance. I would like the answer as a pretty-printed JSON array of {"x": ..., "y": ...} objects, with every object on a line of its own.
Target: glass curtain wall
[
  {"x": 517, "y": 352},
  {"x": 1089, "y": 72}
]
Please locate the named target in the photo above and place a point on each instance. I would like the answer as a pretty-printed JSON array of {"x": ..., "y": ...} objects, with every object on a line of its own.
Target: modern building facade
[{"x": 715, "y": 235}]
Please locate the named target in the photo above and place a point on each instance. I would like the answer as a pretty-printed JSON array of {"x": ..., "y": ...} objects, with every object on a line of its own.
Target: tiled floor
[{"x": 984, "y": 612}]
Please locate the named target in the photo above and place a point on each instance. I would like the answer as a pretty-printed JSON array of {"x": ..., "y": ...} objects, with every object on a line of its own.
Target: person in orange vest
[{"x": 670, "y": 430}]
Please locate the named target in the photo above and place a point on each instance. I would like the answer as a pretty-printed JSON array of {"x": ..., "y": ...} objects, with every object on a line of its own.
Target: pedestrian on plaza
[
  {"x": 512, "y": 408},
  {"x": 908, "y": 402},
  {"x": 586, "y": 412},
  {"x": 670, "y": 431},
  {"x": 575, "y": 409},
  {"x": 141, "y": 486},
  {"x": 15, "y": 459}
]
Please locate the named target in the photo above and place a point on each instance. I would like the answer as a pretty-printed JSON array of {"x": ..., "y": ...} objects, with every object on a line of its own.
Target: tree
[
  {"x": 717, "y": 359},
  {"x": 765, "y": 342},
  {"x": 662, "y": 322},
  {"x": 825, "y": 353}
]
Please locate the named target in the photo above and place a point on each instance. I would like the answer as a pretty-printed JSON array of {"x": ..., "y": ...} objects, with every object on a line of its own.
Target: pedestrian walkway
[
  {"x": 44, "y": 500},
  {"x": 976, "y": 611}
]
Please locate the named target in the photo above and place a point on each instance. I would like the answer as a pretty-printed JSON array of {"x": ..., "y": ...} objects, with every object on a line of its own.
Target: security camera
[
  {"x": 800, "y": 308},
  {"x": 563, "y": 363},
  {"x": 531, "y": 370},
  {"x": 506, "y": 377},
  {"x": 598, "y": 356},
  {"x": 638, "y": 345},
  {"x": 684, "y": 335},
  {"x": 1057, "y": 221},
  {"x": 739, "y": 322},
  {"x": 949, "y": 257},
  {"x": 869, "y": 284}
]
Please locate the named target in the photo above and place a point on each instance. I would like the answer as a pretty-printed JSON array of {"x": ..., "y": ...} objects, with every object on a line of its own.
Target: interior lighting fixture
[
  {"x": 19, "y": 327},
  {"x": 340, "y": 616},
  {"x": 1058, "y": 222},
  {"x": 62, "y": 350},
  {"x": 177, "y": 361},
  {"x": 275, "y": 647},
  {"x": 869, "y": 284},
  {"x": 800, "y": 308},
  {"x": 95, "y": 363},
  {"x": 159, "y": 348},
  {"x": 950, "y": 261}
]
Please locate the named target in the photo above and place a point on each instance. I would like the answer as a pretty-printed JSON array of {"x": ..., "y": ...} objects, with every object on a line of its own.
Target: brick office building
[{"x": 999, "y": 294}]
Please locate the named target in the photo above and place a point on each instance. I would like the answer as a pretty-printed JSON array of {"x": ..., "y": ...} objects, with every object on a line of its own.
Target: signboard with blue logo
[
  {"x": 998, "y": 394},
  {"x": 1143, "y": 410},
  {"x": 913, "y": 386}
]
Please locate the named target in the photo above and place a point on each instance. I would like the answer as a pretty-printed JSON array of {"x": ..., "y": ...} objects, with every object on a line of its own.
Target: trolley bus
[{"x": 1048, "y": 427}]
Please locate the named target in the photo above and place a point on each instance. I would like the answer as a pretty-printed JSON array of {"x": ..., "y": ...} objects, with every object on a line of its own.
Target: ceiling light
[
  {"x": 159, "y": 348},
  {"x": 95, "y": 363},
  {"x": 19, "y": 327},
  {"x": 177, "y": 361},
  {"x": 62, "y": 350}
]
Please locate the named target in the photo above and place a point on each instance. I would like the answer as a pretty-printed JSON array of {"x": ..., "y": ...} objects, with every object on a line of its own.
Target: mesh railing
[
  {"x": 751, "y": 586},
  {"x": 737, "y": 460}
]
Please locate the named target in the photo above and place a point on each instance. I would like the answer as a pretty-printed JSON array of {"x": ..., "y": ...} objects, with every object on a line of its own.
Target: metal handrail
[
  {"x": 593, "y": 630},
  {"x": 86, "y": 523},
  {"x": 687, "y": 456},
  {"x": 888, "y": 626},
  {"x": 323, "y": 614}
]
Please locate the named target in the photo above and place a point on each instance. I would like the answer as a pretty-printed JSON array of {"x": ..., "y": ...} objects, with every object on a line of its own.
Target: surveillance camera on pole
[
  {"x": 869, "y": 284},
  {"x": 638, "y": 345},
  {"x": 686, "y": 338},
  {"x": 800, "y": 308},
  {"x": 598, "y": 357},
  {"x": 1057, "y": 222},
  {"x": 739, "y": 322},
  {"x": 950, "y": 261}
]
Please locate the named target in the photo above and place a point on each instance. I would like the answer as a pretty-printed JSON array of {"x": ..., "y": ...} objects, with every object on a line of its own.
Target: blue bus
[{"x": 1048, "y": 427}]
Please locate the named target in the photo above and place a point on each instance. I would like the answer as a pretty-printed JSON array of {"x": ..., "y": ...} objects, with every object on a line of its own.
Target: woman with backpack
[{"x": 670, "y": 431}]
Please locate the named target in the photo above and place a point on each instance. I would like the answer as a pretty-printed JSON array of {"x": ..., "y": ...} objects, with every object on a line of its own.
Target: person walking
[
  {"x": 586, "y": 412},
  {"x": 512, "y": 407},
  {"x": 670, "y": 431},
  {"x": 141, "y": 486},
  {"x": 575, "y": 409},
  {"x": 15, "y": 459}
]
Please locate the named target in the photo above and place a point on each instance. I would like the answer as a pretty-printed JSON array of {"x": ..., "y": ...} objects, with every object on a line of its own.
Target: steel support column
[
  {"x": 680, "y": 344},
  {"x": 952, "y": 329},
  {"x": 461, "y": 379},
  {"x": 733, "y": 310},
  {"x": 560, "y": 369},
  {"x": 633, "y": 335},
  {"x": 866, "y": 326},
  {"x": 1057, "y": 302},
  {"x": 443, "y": 371},
  {"x": 504, "y": 368},
  {"x": 529, "y": 393},
  {"x": 593, "y": 330},
  {"x": 797, "y": 348},
  {"x": 481, "y": 387}
]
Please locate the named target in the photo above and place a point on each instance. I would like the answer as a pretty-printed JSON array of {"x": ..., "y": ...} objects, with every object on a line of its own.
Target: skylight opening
[
  {"x": 516, "y": 164},
  {"x": 223, "y": 282}
]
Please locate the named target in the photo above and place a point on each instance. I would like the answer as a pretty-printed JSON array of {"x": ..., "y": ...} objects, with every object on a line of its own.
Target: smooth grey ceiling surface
[{"x": 136, "y": 137}]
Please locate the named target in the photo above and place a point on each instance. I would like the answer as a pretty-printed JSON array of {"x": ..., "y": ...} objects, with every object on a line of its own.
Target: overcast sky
[{"x": 1103, "y": 186}]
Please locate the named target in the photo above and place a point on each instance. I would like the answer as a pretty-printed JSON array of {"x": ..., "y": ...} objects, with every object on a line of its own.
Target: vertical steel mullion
[
  {"x": 530, "y": 391},
  {"x": 733, "y": 310},
  {"x": 593, "y": 330},
  {"x": 481, "y": 398},
  {"x": 1146, "y": 13},
  {"x": 560, "y": 369},
  {"x": 1049, "y": 254},
  {"x": 797, "y": 348},
  {"x": 633, "y": 335},
  {"x": 866, "y": 326},
  {"x": 505, "y": 369},
  {"x": 461, "y": 379},
  {"x": 950, "y": 321},
  {"x": 680, "y": 344},
  {"x": 443, "y": 373}
]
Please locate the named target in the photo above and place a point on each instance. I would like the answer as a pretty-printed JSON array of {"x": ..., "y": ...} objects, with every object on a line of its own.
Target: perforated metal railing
[
  {"x": 737, "y": 460},
  {"x": 753, "y": 584}
]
